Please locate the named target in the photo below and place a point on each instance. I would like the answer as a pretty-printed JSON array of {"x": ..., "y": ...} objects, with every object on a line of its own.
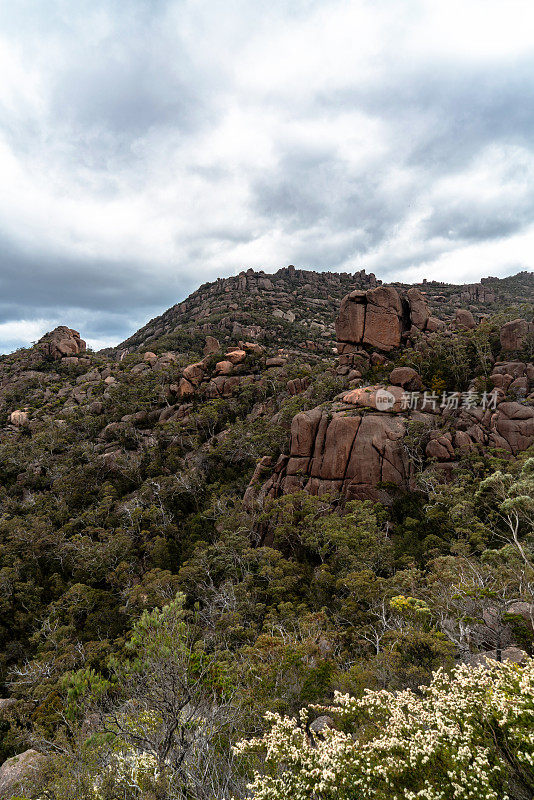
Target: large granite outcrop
[
  {"x": 356, "y": 445},
  {"x": 352, "y": 448},
  {"x": 476, "y": 292},
  {"x": 290, "y": 295},
  {"x": 260, "y": 306},
  {"x": 342, "y": 452},
  {"x": 379, "y": 317},
  {"x": 60, "y": 343}
]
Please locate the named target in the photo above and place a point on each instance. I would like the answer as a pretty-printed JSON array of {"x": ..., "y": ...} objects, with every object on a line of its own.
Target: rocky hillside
[
  {"x": 359, "y": 444},
  {"x": 292, "y": 453},
  {"x": 298, "y": 307}
]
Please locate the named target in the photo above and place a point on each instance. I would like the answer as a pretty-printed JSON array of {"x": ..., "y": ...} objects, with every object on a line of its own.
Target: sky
[{"x": 148, "y": 146}]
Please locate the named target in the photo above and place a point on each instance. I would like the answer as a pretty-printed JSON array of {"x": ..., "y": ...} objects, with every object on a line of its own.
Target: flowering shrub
[
  {"x": 128, "y": 772},
  {"x": 467, "y": 736}
]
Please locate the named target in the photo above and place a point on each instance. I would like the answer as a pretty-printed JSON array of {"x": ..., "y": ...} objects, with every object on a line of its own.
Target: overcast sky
[{"x": 147, "y": 146}]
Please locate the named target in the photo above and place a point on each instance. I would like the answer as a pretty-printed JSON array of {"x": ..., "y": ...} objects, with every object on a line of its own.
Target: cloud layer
[{"x": 149, "y": 146}]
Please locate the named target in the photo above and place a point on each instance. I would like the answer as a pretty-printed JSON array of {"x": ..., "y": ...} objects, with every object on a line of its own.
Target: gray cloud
[{"x": 152, "y": 146}]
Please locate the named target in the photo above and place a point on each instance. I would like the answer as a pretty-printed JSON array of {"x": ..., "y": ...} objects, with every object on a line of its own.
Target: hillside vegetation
[{"x": 218, "y": 520}]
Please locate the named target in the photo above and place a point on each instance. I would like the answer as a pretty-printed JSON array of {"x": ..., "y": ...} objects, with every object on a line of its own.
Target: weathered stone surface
[
  {"x": 519, "y": 386},
  {"x": 138, "y": 368},
  {"x": 513, "y": 334},
  {"x": 440, "y": 448},
  {"x": 514, "y": 423},
  {"x": 303, "y": 431},
  {"x": 322, "y": 723},
  {"x": 166, "y": 360},
  {"x": 167, "y": 413},
  {"x": 406, "y": 377},
  {"x": 434, "y": 324},
  {"x": 224, "y": 367},
  {"x": 477, "y": 293},
  {"x": 253, "y": 347},
  {"x": 500, "y": 381},
  {"x": 19, "y": 418},
  {"x": 18, "y": 769},
  {"x": 516, "y": 410},
  {"x": 60, "y": 342},
  {"x": 462, "y": 440},
  {"x": 236, "y": 356},
  {"x": 335, "y": 449},
  {"x": 259, "y": 473},
  {"x": 343, "y": 452},
  {"x": 385, "y": 297},
  {"x": 383, "y": 328},
  {"x": 224, "y": 386},
  {"x": 379, "y": 317},
  {"x": 297, "y": 385},
  {"x": 212, "y": 345},
  {"x": 464, "y": 319},
  {"x": 419, "y": 314},
  {"x": 350, "y": 322},
  {"x": 184, "y": 389},
  {"x": 381, "y": 398},
  {"x": 514, "y": 368},
  {"x": 194, "y": 373}
]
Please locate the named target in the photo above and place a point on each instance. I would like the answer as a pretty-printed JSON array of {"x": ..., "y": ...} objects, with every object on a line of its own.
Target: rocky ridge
[
  {"x": 372, "y": 325},
  {"x": 298, "y": 307}
]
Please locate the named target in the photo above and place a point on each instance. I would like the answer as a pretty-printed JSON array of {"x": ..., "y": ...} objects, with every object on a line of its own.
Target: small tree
[{"x": 161, "y": 724}]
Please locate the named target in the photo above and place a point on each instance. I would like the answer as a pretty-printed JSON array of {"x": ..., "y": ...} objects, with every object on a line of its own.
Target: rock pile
[
  {"x": 290, "y": 295},
  {"x": 477, "y": 293},
  {"x": 356, "y": 445},
  {"x": 60, "y": 343}
]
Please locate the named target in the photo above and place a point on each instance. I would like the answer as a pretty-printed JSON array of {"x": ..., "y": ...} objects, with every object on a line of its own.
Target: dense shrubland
[{"x": 269, "y": 610}]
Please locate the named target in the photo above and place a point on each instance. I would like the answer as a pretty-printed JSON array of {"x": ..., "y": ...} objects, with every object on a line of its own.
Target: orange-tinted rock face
[
  {"x": 464, "y": 319},
  {"x": 379, "y": 317},
  {"x": 383, "y": 328},
  {"x": 381, "y": 398},
  {"x": 342, "y": 453},
  {"x": 406, "y": 377},
  {"x": 350, "y": 323}
]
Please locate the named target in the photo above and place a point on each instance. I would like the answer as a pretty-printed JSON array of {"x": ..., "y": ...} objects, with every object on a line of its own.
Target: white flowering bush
[
  {"x": 469, "y": 735},
  {"x": 129, "y": 772}
]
